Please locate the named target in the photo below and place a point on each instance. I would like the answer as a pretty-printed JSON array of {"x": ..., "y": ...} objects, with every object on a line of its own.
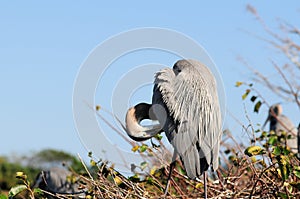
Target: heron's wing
[
  {"x": 161, "y": 112},
  {"x": 285, "y": 124},
  {"x": 192, "y": 100}
]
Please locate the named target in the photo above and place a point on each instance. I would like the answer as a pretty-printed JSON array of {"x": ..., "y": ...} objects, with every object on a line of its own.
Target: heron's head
[
  {"x": 182, "y": 66},
  {"x": 134, "y": 129},
  {"x": 192, "y": 68},
  {"x": 275, "y": 110}
]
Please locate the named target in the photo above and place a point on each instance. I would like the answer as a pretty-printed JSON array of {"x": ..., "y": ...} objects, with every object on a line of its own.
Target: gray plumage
[
  {"x": 185, "y": 102},
  {"x": 279, "y": 123}
]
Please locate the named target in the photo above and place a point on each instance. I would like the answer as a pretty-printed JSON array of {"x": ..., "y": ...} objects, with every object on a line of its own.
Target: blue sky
[{"x": 43, "y": 45}]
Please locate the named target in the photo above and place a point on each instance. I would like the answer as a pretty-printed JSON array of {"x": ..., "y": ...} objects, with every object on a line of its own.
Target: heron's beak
[
  {"x": 136, "y": 131},
  {"x": 268, "y": 118}
]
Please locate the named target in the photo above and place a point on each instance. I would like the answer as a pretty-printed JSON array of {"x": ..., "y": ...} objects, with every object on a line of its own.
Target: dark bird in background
[
  {"x": 279, "y": 123},
  {"x": 55, "y": 181},
  {"x": 186, "y": 105}
]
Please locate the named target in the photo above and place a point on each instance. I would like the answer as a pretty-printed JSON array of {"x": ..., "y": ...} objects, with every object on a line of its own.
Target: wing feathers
[{"x": 191, "y": 99}]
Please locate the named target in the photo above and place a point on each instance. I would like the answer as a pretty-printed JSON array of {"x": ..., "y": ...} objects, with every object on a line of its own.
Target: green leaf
[
  {"x": 296, "y": 185},
  {"x": 199, "y": 185},
  {"x": 2, "y": 196},
  {"x": 21, "y": 175},
  {"x": 158, "y": 136},
  {"x": 143, "y": 148},
  {"x": 246, "y": 94},
  {"x": 16, "y": 190},
  {"x": 264, "y": 134},
  {"x": 38, "y": 191},
  {"x": 285, "y": 151},
  {"x": 257, "y": 130},
  {"x": 254, "y": 150},
  {"x": 257, "y": 106},
  {"x": 232, "y": 158},
  {"x": 272, "y": 140},
  {"x": 253, "y": 98},
  {"x": 276, "y": 151},
  {"x": 282, "y": 195},
  {"x": 144, "y": 165},
  {"x": 93, "y": 163},
  {"x": 284, "y": 167},
  {"x": 285, "y": 172},
  {"x": 297, "y": 173},
  {"x": 134, "y": 178},
  {"x": 150, "y": 180},
  {"x": 180, "y": 170},
  {"x": 153, "y": 170}
]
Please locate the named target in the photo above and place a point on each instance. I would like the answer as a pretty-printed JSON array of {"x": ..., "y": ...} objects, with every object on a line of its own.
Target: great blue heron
[
  {"x": 55, "y": 181},
  {"x": 280, "y": 123},
  {"x": 186, "y": 104}
]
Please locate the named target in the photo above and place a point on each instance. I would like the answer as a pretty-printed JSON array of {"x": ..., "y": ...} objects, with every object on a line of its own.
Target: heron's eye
[{"x": 176, "y": 69}]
